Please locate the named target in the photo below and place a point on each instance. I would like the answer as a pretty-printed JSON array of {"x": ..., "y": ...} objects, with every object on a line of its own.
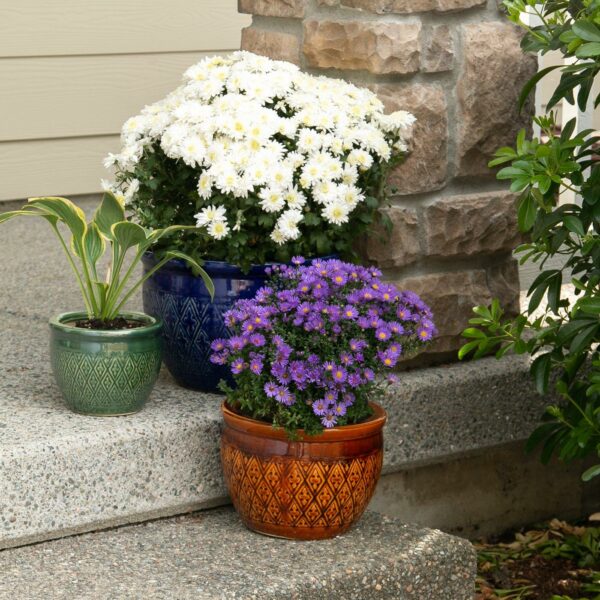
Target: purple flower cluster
[{"x": 313, "y": 340}]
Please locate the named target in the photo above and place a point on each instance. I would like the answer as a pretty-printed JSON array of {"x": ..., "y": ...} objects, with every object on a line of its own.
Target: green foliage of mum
[
  {"x": 562, "y": 336},
  {"x": 109, "y": 231}
]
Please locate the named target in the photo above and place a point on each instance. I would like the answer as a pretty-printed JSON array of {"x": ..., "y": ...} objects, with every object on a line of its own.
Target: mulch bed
[{"x": 556, "y": 561}]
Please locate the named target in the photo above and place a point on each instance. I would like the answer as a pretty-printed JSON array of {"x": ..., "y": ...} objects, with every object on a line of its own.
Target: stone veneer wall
[{"x": 457, "y": 65}]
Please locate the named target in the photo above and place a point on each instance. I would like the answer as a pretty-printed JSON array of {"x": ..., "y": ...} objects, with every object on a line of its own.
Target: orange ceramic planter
[{"x": 312, "y": 488}]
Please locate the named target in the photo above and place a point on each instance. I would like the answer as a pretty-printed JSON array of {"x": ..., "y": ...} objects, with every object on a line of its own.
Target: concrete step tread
[{"x": 211, "y": 556}]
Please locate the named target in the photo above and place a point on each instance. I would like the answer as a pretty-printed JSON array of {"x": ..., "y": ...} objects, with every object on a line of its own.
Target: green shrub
[{"x": 560, "y": 335}]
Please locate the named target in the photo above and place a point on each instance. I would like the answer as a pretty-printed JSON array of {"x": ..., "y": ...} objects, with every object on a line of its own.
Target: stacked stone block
[{"x": 457, "y": 65}]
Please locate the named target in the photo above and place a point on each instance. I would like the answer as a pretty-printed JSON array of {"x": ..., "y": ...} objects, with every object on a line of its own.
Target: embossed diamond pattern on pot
[
  {"x": 105, "y": 383},
  {"x": 190, "y": 325},
  {"x": 302, "y": 493}
]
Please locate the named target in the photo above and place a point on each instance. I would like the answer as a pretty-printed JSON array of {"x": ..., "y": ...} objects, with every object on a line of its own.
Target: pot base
[{"x": 121, "y": 414}]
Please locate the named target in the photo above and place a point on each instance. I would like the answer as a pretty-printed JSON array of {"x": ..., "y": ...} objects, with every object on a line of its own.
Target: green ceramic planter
[{"x": 105, "y": 373}]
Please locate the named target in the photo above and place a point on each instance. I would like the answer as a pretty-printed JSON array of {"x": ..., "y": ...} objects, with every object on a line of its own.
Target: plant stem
[
  {"x": 115, "y": 293},
  {"x": 116, "y": 310},
  {"x": 86, "y": 301},
  {"x": 88, "y": 281}
]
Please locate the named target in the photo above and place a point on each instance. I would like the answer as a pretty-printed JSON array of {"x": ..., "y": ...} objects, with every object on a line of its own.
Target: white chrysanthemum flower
[
  {"x": 295, "y": 198},
  {"x": 281, "y": 176},
  {"x": 336, "y": 212},
  {"x": 205, "y": 186},
  {"x": 271, "y": 200},
  {"x": 131, "y": 191},
  {"x": 226, "y": 178},
  {"x": 312, "y": 173},
  {"x": 134, "y": 126},
  {"x": 399, "y": 120},
  {"x": 210, "y": 214},
  {"x": 350, "y": 196},
  {"x": 349, "y": 175},
  {"x": 193, "y": 150},
  {"x": 308, "y": 141},
  {"x": 278, "y": 237},
  {"x": 110, "y": 160},
  {"x": 288, "y": 224},
  {"x": 361, "y": 159},
  {"x": 218, "y": 229}
]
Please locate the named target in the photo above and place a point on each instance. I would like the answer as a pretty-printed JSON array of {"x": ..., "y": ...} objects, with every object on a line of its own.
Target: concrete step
[
  {"x": 62, "y": 473},
  {"x": 211, "y": 556}
]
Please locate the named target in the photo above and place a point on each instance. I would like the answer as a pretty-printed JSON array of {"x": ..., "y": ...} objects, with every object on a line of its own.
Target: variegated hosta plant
[{"x": 109, "y": 230}]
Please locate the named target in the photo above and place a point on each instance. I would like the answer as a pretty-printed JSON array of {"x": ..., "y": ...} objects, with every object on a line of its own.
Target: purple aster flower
[
  {"x": 329, "y": 366},
  {"x": 264, "y": 294},
  {"x": 387, "y": 358},
  {"x": 218, "y": 345},
  {"x": 331, "y": 396},
  {"x": 389, "y": 293},
  {"x": 304, "y": 287},
  {"x": 339, "y": 374},
  {"x": 218, "y": 359},
  {"x": 237, "y": 342},
  {"x": 346, "y": 358},
  {"x": 396, "y": 328},
  {"x": 256, "y": 365},
  {"x": 350, "y": 312},
  {"x": 383, "y": 334},
  {"x": 284, "y": 396},
  {"x": 427, "y": 324},
  {"x": 354, "y": 380},
  {"x": 354, "y": 297},
  {"x": 320, "y": 289},
  {"x": 313, "y": 359},
  {"x": 297, "y": 371},
  {"x": 392, "y": 378},
  {"x": 320, "y": 407},
  {"x": 363, "y": 323},
  {"x": 270, "y": 389},
  {"x": 368, "y": 374},
  {"x": 339, "y": 278},
  {"x": 329, "y": 420},
  {"x": 279, "y": 368},
  {"x": 348, "y": 398},
  {"x": 237, "y": 366},
  {"x": 298, "y": 260},
  {"x": 375, "y": 322},
  {"x": 403, "y": 313},
  {"x": 334, "y": 312},
  {"x": 359, "y": 357},
  {"x": 424, "y": 334},
  {"x": 304, "y": 309},
  {"x": 339, "y": 409},
  {"x": 257, "y": 339},
  {"x": 395, "y": 349},
  {"x": 357, "y": 345},
  {"x": 248, "y": 327},
  {"x": 368, "y": 295}
]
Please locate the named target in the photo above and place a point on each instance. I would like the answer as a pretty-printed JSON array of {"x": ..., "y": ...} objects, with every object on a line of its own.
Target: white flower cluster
[{"x": 261, "y": 128}]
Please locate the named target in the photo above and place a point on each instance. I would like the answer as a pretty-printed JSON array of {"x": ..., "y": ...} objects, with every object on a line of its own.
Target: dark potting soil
[
  {"x": 537, "y": 578},
  {"x": 112, "y": 325}
]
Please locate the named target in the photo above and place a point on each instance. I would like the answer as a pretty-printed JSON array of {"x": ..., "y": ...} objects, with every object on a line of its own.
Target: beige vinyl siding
[{"x": 72, "y": 71}]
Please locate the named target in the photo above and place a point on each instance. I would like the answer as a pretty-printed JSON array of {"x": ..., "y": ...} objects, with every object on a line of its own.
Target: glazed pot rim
[
  {"x": 153, "y": 325},
  {"x": 346, "y": 432}
]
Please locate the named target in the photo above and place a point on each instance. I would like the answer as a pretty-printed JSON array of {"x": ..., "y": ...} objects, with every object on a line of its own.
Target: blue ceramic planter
[{"x": 191, "y": 320}]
